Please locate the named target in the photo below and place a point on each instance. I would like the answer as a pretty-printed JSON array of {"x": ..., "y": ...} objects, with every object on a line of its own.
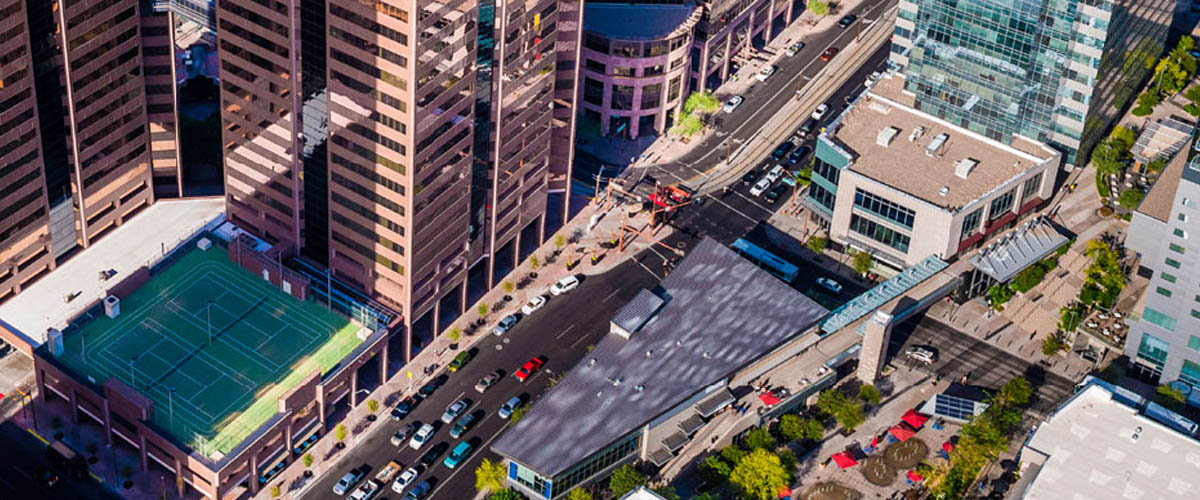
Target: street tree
[
  {"x": 489, "y": 476},
  {"x": 714, "y": 470},
  {"x": 580, "y": 494},
  {"x": 819, "y": 8},
  {"x": 760, "y": 438},
  {"x": 759, "y": 476},
  {"x": 625, "y": 479},
  {"x": 506, "y": 494},
  {"x": 1129, "y": 199},
  {"x": 863, "y": 262},
  {"x": 816, "y": 244},
  {"x": 868, "y": 393},
  {"x": 848, "y": 413}
]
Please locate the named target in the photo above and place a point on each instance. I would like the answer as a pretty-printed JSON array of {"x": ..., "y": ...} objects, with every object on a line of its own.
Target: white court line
[
  {"x": 111, "y": 361},
  {"x": 247, "y": 350},
  {"x": 214, "y": 359}
]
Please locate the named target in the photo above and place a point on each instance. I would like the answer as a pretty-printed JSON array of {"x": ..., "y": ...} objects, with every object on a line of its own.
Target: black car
[
  {"x": 432, "y": 455},
  {"x": 428, "y": 389},
  {"x": 781, "y": 151},
  {"x": 776, "y": 192},
  {"x": 845, "y": 22},
  {"x": 405, "y": 407},
  {"x": 799, "y": 154},
  {"x": 750, "y": 177},
  {"x": 807, "y": 127}
]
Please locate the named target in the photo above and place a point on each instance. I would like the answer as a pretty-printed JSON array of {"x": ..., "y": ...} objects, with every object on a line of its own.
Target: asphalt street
[
  {"x": 19, "y": 479},
  {"x": 983, "y": 364}
]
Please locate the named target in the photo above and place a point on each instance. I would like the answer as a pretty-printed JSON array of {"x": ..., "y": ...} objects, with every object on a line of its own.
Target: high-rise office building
[
  {"x": 353, "y": 140},
  {"x": 1057, "y": 72}
]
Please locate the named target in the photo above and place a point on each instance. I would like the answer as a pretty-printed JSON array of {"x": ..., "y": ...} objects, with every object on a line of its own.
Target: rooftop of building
[
  {"x": 623, "y": 21},
  {"x": 1098, "y": 445},
  {"x": 1157, "y": 203},
  {"x": 894, "y": 144},
  {"x": 1018, "y": 249},
  {"x": 1161, "y": 138},
  {"x": 642, "y": 493},
  {"x": 138, "y": 241},
  {"x": 721, "y": 312}
]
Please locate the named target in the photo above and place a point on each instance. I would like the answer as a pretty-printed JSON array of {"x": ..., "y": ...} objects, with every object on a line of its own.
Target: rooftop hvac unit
[
  {"x": 916, "y": 134},
  {"x": 935, "y": 146},
  {"x": 112, "y": 306},
  {"x": 886, "y": 136},
  {"x": 964, "y": 167}
]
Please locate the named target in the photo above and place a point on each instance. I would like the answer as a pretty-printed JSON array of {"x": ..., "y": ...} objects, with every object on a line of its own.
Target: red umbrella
[
  {"x": 913, "y": 476},
  {"x": 874, "y": 441},
  {"x": 844, "y": 460},
  {"x": 769, "y": 399},
  {"x": 916, "y": 420},
  {"x": 901, "y": 432},
  {"x": 785, "y": 492},
  {"x": 947, "y": 447}
]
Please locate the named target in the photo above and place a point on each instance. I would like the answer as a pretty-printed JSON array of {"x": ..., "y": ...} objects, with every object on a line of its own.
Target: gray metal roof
[
  {"x": 721, "y": 313},
  {"x": 1017, "y": 250},
  {"x": 715, "y": 402},
  {"x": 638, "y": 311}
]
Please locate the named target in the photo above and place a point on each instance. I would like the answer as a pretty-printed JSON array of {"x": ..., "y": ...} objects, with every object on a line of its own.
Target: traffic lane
[
  {"x": 983, "y": 364},
  {"x": 19, "y": 477}
]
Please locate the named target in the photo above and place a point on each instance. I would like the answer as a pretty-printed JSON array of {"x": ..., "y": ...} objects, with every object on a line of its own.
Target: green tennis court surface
[{"x": 228, "y": 342}]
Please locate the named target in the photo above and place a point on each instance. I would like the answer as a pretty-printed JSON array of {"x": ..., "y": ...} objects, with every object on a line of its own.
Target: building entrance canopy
[{"x": 1029, "y": 243}]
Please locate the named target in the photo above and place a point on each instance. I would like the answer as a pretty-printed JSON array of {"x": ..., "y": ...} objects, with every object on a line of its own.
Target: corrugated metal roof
[{"x": 638, "y": 311}]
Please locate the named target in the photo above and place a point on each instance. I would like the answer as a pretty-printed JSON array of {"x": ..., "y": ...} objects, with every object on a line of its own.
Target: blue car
[{"x": 457, "y": 455}]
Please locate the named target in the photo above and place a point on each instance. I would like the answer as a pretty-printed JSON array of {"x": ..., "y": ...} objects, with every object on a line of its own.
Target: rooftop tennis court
[{"x": 227, "y": 342}]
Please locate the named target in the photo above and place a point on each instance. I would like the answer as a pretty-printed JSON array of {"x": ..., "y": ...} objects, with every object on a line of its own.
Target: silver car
[
  {"x": 454, "y": 410},
  {"x": 488, "y": 381}
]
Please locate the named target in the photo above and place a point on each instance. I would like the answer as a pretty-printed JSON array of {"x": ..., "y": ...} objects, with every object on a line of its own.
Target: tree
[
  {"x": 667, "y": 492},
  {"x": 517, "y": 414},
  {"x": 509, "y": 287},
  {"x": 714, "y": 470},
  {"x": 1052, "y": 345},
  {"x": 869, "y": 394},
  {"x": 819, "y": 8},
  {"x": 489, "y": 476},
  {"x": 1015, "y": 392},
  {"x": 688, "y": 126},
  {"x": 793, "y": 428},
  {"x": 759, "y": 476},
  {"x": 372, "y": 405},
  {"x": 1170, "y": 397},
  {"x": 816, "y": 244},
  {"x": 999, "y": 294},
  {"x": 702, "y": 102},
  {"x": 308, "y": 460},
  {"x": 848, "y": 413},
  {"x": 454, "y": 334},
  {"x": 732, "y": 454},
  {"x": 803, "y": 176},
  {"x": 1029, "y": 278},
  {"x": 1130, "y": 198},
  {"x": 339, "y": 433},
  {"x": 760, "y": 438},
  {"x": 276, "y": 491},
  {"x": 625, "y": 479},
  {"x": 482, "y": 310},
  {"x": 560, "y": 242},
  {"x": 863, "y": 262},
  {"x": 534, "y": 263},
  {"x": 1072, "y": 314},
  {"x": 580, "y": 494},
  {"x": 506, "y": 494}
]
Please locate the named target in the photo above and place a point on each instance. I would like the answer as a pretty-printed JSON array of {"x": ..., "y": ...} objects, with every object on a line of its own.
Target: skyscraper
[{"x": 1055, "y": 71}]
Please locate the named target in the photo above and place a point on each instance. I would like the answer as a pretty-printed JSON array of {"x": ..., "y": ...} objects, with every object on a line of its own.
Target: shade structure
[
  {"x": 916, "y": 420},
  {"x": 901, "y": 432},
  {"x": 914, "y": 477},
  {"x": 947, "y": 447},
  {"x": 769, "y": 398},
  {"x": 844, "y": 459}
]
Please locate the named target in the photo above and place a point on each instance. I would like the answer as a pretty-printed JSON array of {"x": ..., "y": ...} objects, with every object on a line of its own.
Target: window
[
  {"x": 622, "y": 71},
  {"x": 652, "y": 70},
  {"x": 593, "y": 91},
  {"x": 1188, "y": 202},
  {"x": 1195, "y": 314},
  {"x": 1163, "y": 291},
  {"x": 652, "y": 49},
  {"x": 1182, "y": 217},
  {"x": 673, "y": 91},
  {"x": 879, "y": 232},
  {"x": 622, "y": 97},
  {"x": 625, "y": 50},
  {"x": 1169, "y": 278},
  {"x": 1194, "y": 343},
  {"x": 821, "y": 196},
  {"x": 1175, "y": 248},
  {"x": 826, "y": 171},
  {"x": 1180, "y": 233},
  {"x": 651, "y": 96},
  {"x": 1031, "y": 187},
  {"x": 1190, "y": 374},
  {"x": 1173, "y": 263},
  {"x": 1162, "y": 320},
  {"x": 597, "y": 67},
  {"x": 971, "y": 223},
  {"x": 1153, "y": 349},
  {"x": 596, "y": 43},
  {"x": 1001, "y": 205},
  {"x": 883, "y": 208}
]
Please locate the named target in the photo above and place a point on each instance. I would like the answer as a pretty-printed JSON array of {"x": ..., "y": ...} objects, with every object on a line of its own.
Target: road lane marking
[
  {"x": 564, "y": 332},
  {"x": 583, "y": 337},
  {"x": 614, "y": 292}
]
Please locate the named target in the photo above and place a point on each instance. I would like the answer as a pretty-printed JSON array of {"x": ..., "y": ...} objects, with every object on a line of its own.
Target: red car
[
  {"x": 528, "y": 368},
  {"x": 829, "y": 53}
]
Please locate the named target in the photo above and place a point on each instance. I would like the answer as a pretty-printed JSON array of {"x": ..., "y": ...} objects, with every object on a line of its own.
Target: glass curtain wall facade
[{"x": 1058, "y": 71}]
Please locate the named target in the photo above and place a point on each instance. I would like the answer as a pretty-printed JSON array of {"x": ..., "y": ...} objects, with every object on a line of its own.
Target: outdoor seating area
[{"x": 1107, "y": 326}]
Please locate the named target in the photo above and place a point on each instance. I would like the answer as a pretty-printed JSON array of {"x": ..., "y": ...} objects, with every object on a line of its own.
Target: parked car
[
  {"x": 454, "y": 410},
  {"x": 774, "y": 174},
  {"x": 830, "y": 285},
  {"x": 348, "y": 481},
  {"x": 564, "y": 285},
  {"x": 505, "y": 324},
  {"x": 418, "y": 491},
  {"x": 922, "y": 354},
  {"x": 457, "y": 455},
  {"x": 795, "y": 48},
  {"x": 528, "y": 368},
  {"x": 750, "y": 176},
  {"x": 460, "y": 361},
  {"x": 776, "y": 192},
  {"x": 872, "y": 78},
  {"x": 404, "y": 479},
  {"x": 847, "y": 21},
  {"x": 488, "y": 381},
  {"x": 422, "y": 436},
  {"x": 405, "y": 433},
  {"x": 366, "y": 491},
  {"x": 533, "y": 305},
  {"x": 427, "y": 389},
  {"x": 463, "y": 425},
  {"x": 432, "y": 455},
  {"x": 808, "y": 126},
  {"x": 760, "y": 187},
  {"x": 733, "y": 103},
  {"x": 405, "y": 407},
  {"x": 829, "y": 53},
  {"x": 819, "y": 113},
  {"x": 506, "y": 410},
  {"x": 781, "y": 151},
  {"x": 765, "y": 72},
  {"x": 798, "y": 154}
]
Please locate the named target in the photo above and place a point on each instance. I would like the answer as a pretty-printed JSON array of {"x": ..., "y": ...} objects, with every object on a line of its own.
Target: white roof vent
[
  {"x": 707, "y": 355},
  {"x": 964, "y": 167},
  {"x": 639, "y": 388},
  {"x": 916, "y": 134},
  {"x": 935, "y": 146},
  {"x": 944, "y": 191},
  {"x": 649, "y": 353},
  {"x": 886, "y": 136},
  {"x": 592, "y": 362}
]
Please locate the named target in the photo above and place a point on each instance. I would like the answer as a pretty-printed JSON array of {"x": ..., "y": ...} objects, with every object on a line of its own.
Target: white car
[
  {"x": 774, "y": 174},
  {"x": 505, "y": 324},
  {"x": 819, "y": 113},
  {"x": 423, "y": 435},
  {"x": 347, "y": 481},
  {"x": 922, "y": 354},
  {"x": 872, "y": 78},
  {"x": 454, "y": 410},
  {"x": 510, "y": 406},
  {"x": 830, "y": 285},
  {"x": 366, "y": 491},
  {"x": 765, "y": 73},
  {"x": 533, "y": 305},
  {"x": 733, "y": 103},
  {"x": 564, "y": 285},
  {"x": 759, "y": 187},
  {"x": 404, "y": 479},
  {"x": 795, "y": 48}
]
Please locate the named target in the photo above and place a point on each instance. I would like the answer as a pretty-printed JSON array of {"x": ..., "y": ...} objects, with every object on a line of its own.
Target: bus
[{"x": 768, "y": 261}]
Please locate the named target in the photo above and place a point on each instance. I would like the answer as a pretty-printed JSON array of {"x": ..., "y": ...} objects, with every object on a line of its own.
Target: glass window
[
  {"x": 1163, "y": 320},
  {"x": 673, "y": 91},
  {"x": 883, "y": 208},
  {"x": 596, "y": 43},
  {"x": 1031, "y": 187},
  {"x": 622, "y": 71},
  {"x": 1001, "y": 205},
  {"x": 1173, "y": 263},
  {"x": 1194, "y": 343},
  {"x": 1182, "y": 217},
  {"x": 593, "y": 91},
  {"x": 622, "y": 97},
  {"x": 1169, "y": 278},
  {"x": 1153, "y": 349},
  {"x": 1190, "y": 374},
  {"x": 651, "y": 96},
  {"x": 1188, "y": 202},
  {"x": 879, "y": 232},
  {"x": 1175, "y": 248},
  {"x": 971, "y": 223},
  {"x": 1180, "y": 233},
  {"x": 826, "y": 170},
  {"x": 1163, "y": 291},
  {"x": 596, "y": 66}
]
